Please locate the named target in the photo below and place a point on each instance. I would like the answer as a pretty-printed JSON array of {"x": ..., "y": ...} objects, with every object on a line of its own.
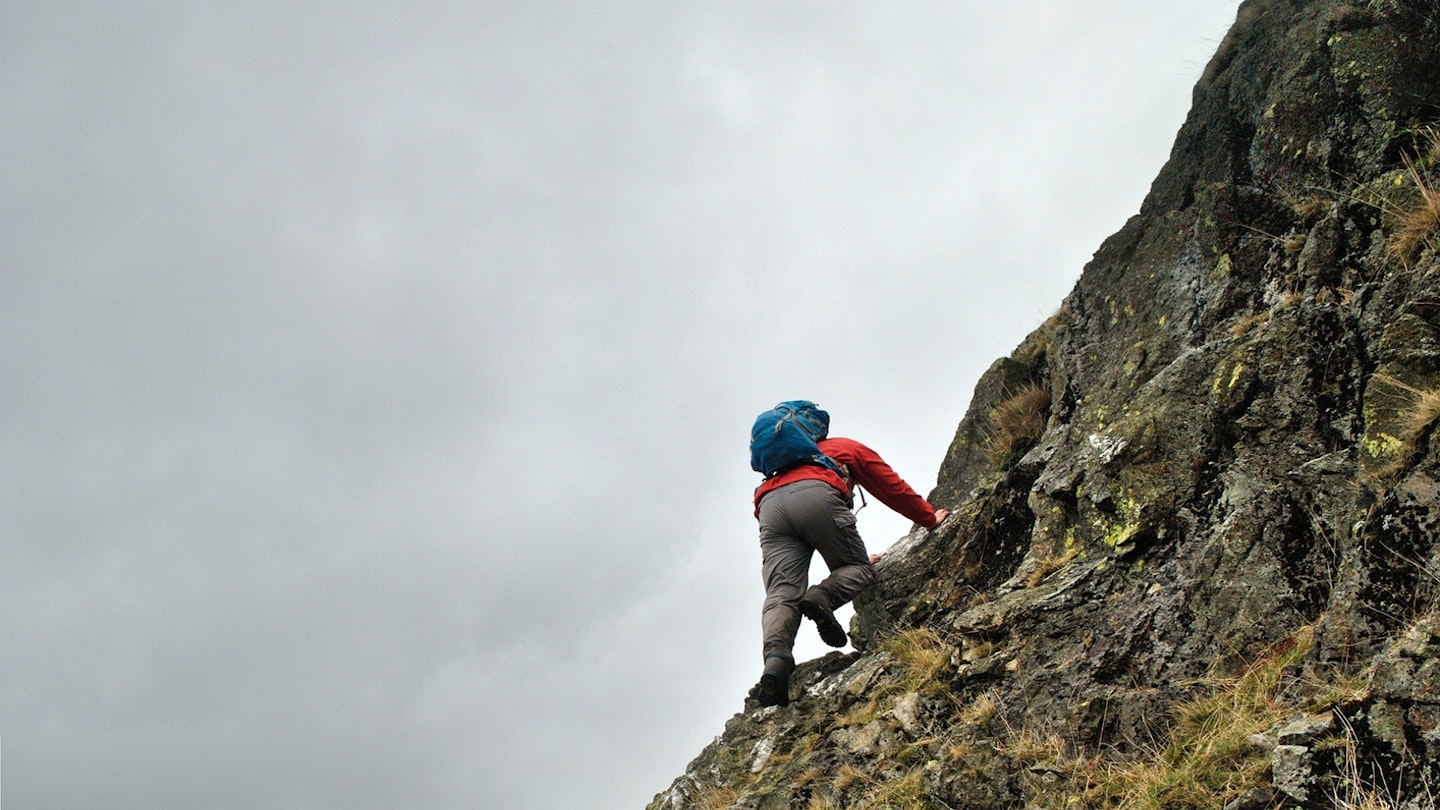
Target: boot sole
[{"x": 830, "y": 630}]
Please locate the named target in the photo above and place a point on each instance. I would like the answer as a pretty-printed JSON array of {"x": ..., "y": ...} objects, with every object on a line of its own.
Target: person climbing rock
[{"x": 804, "y": 506}]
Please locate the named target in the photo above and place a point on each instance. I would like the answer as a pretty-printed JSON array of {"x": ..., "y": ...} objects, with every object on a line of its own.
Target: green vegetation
[{"x": 1206, "y": 760}]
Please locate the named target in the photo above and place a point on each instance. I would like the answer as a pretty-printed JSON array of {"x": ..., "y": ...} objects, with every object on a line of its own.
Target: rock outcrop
[{"x": 1193, "y": 557}]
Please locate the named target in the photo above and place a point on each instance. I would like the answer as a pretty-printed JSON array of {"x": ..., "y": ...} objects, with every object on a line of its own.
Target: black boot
[
  {"x": 814, "y": 609},
  {"x": 774, "y": 686}
]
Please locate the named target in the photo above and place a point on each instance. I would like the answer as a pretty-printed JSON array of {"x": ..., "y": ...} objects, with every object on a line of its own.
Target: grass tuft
[
  {"x": 716, "y": 797},
  {"x": 903, "y": 791},
  {"x": 1307, "y": 205},
  {"x": 1431, "y": 154},
  {"x": 979, "y": 712},
  {"x": 924, "y": 655},
  {"x": 1017, "y": 424},
  {"x": 1419, "y": 409},
  {"x": 1050, "y": 563},
  {"x": 847, "y": 776},
  {"x": 1416, "y": 225},
  {"x": 1031, "y": 747},
  {"x": 1208, "y": 760}
]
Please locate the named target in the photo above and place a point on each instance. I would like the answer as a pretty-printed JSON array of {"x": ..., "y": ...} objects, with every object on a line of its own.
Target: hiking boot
[
  {"x": 774, "y": 686},
  {"x": 830, "y": 630},
  {"x": 772, "y": 690}
]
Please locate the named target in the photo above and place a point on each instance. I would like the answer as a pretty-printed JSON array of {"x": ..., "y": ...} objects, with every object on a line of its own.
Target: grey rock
[
  {"x": 1292, "y": 770},
  {"x": 1305, "y": 731}
]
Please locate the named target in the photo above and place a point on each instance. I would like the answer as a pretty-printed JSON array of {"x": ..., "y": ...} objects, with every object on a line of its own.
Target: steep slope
[{"x": 1193, "y": 560}]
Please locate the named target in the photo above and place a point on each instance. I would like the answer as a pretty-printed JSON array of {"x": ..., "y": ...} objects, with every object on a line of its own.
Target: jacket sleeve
[{"x": 870, "y": 471}]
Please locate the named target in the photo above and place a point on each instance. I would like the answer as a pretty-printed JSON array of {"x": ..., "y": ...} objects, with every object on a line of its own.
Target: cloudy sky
[{"x": 378, "y": 376}]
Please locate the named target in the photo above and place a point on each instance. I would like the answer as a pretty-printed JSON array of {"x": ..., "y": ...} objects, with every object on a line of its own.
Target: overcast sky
[{"x": 378, "y": 376}]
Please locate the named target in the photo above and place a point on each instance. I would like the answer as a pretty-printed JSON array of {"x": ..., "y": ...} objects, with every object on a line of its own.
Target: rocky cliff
[{"x": 1193, "y": 560}]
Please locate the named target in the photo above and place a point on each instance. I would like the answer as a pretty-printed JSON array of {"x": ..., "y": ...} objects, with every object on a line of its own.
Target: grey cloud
[{"x": 377, "y": 376}]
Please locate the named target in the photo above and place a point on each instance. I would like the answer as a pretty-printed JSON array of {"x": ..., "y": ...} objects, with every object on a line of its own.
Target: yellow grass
[
  {"x": 1018, "y": 423},
  {"x": 1415, "y": 225},
  {"x": 1208, "y": 759},
  {"x": 1421, "y": 409}
]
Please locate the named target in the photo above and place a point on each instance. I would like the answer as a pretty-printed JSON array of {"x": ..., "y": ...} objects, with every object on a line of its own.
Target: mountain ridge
[{"x": 1208, "y": 476}]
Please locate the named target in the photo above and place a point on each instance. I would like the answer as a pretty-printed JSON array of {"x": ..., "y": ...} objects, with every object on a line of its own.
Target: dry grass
[
  {"x": 808, "y": 776},
  {"x": 1281, "y": 295},
  {"x": 1032, "y": 747},
  {"x": 820, "y": 803},
  {"x": 1358, "y": 790},
  {"x": 904, "y": 791},
  {"x": 1048, "y": 565},
  {"x": 717, "y": 797},
  {"x": 1309, "y": 206},
  {"x": 1355, "y": 793},
  {"x": 847, "y": 776},
  {"x": 1307, "y": 203},
  {"x": 1249, "y": 323},
  {"x": 1398, "y": 442},
  {"x": 1337, "y": 689},
  {"x": 1421, "y": 407},
  {"x": 923, "y": 655},
  {"x": 980, "y": 711},
  {"x": 1017, "y": 424},
  {"x": 861, "y": 713},
  {"x": 1416, "y": 225},
  {"x": 1429, "y": 154},
  {"x": 1356, "y": 798},
  {"x": 1208, "y": 759}
]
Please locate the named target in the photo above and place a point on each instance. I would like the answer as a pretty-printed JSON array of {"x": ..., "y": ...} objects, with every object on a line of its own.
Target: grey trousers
[{"x": 797, "y": 520}]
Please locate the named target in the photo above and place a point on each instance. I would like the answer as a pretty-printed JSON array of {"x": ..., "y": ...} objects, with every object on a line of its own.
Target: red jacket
[{"x": 866, "y": 469}]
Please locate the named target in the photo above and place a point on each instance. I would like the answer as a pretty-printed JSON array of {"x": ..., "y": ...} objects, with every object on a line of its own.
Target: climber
[{"x": 805, "y": 507}]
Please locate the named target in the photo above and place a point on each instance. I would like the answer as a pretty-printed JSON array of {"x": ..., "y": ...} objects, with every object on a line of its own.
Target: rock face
[{"x": 1198, "y": 507}]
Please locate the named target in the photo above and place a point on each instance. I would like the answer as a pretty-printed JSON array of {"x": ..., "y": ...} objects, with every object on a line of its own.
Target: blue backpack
[{"x": 786, "y": 436}]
